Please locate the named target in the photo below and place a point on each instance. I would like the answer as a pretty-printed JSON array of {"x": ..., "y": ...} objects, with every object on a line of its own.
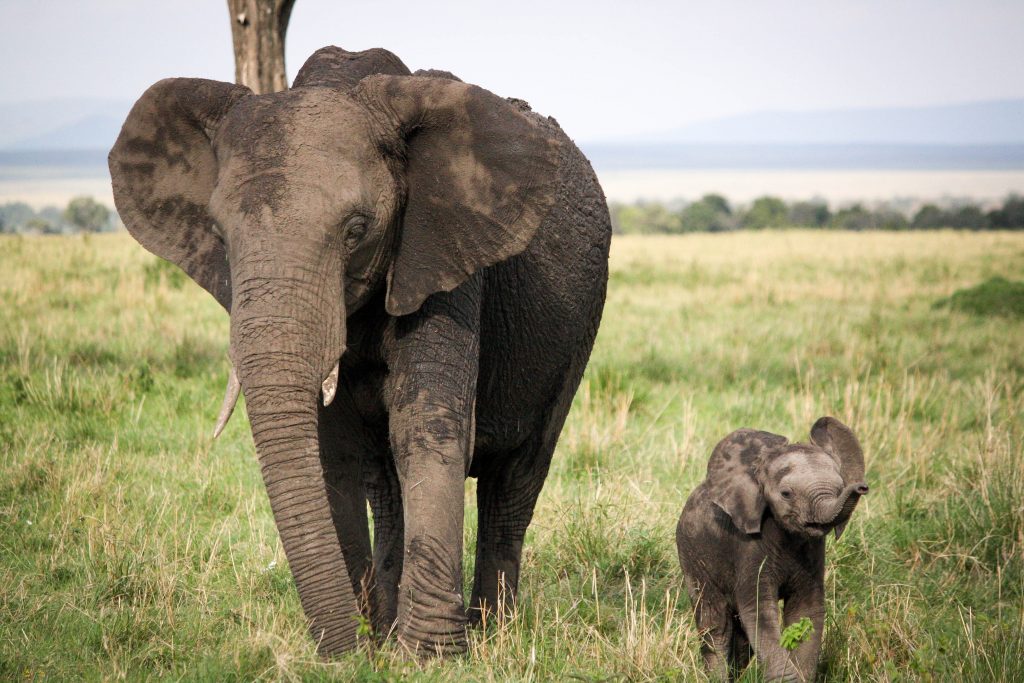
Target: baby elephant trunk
[{"x": 836, "y": 511}]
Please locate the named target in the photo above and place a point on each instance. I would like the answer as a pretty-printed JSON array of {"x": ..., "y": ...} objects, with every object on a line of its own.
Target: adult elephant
[{"x": 428, "y": 258}]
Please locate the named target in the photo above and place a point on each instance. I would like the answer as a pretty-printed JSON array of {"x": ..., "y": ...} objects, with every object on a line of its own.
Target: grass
[
  {"x": 995, "y": 296},
  {"x": 132, "y": 546}
]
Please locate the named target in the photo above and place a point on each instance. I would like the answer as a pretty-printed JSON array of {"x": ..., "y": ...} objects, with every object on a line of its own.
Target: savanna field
[{"x": 133, "y": 546}]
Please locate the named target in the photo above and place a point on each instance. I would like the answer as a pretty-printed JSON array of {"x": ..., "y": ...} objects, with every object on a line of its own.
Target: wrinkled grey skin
[
  {"x": 449, "y": 247},
  {"x": 753, "y": 533}
]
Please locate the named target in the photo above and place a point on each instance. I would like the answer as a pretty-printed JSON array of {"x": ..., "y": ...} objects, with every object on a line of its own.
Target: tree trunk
[{"x": 258, "y": 29}]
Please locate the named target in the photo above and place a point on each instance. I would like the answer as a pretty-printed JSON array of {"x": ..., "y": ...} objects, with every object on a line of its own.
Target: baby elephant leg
[
  {"x": 759, "y": 614},
  {"x": 811, "y": 605},
  {"x": 715, "y": 621},
  {"x": 740, "y": 652}
]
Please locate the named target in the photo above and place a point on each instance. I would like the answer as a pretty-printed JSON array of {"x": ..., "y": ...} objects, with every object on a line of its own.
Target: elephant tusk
[
  {"x": 230, "y": 398},
  {"x": 330, "y": 385}
]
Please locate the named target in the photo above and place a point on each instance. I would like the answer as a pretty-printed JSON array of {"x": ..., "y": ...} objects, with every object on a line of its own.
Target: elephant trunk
[
  {"x": 837, "y": 511},
  {"x": 285, "y": 335}
]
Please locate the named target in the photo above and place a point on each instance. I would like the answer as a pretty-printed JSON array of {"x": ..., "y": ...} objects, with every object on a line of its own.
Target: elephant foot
[
  {"x": 433, "y": 624},
  {"x": 783, "y": 673},
  {"x": 423, "y": 649},
  {"x": 431, "y": 611},
  {"x": 441, "y": 634},
  {"x": 431, "y": 621}
]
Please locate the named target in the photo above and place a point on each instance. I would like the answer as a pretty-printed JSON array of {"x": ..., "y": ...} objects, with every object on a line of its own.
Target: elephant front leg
[
  {"x": 810, "y": 604},
  {"x": 433, "y": 374},
  {"x": 430, "y": 437},
  {"x": 759, "y": 614}
]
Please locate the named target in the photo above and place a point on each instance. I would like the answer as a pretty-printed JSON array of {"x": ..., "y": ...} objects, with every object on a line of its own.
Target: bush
[
  {"x": 967, "y": 217},
  {"x": 928, "y": 217},
  {"x": 81, "y": 214},
  {"x": 766, "y": 212},
  {"x": 887, "y": 219},
  {"x": 87, "y": 214},
  {"x": 643, "y": 218},
  {"x": 809, "y": 214},
  {"x": 970, "y": 218},
  {"x": 14, "y": 216},
  {"x": 1010, "y": 216},
  {"x": 710, "y": 214},
  {"x": 854, "y": 217}
]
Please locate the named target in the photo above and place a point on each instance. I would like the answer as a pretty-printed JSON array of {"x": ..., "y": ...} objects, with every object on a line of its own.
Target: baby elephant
[{"x": 753, "y": 533}]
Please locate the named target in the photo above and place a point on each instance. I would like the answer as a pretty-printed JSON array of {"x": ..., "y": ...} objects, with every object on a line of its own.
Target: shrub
[
  {"x": 710, "y": 214},
  {"x": 766, "y": 212}
]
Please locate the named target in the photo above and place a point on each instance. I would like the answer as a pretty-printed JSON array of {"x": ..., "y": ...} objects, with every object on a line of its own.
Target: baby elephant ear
[
  {"x": 836, "y": 439},
  {"x": 480, "y": 176},
  {"x": 734, "y": 475}
]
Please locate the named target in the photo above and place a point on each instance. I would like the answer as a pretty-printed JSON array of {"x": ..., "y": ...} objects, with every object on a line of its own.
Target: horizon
[
  {"x": 639, "y": 138},
  {"x": 93, "y": 123}
]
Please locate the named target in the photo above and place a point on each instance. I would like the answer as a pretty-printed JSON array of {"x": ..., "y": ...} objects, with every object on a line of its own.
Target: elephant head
[
  {"x": 292, "y": 209},
  {"x": 810, "y": 489}
]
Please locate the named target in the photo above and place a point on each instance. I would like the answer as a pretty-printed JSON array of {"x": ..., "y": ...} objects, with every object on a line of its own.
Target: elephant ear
[
  {"x": 838, "y": 440},
  {"x": 337, "y": 68},
  {"x": 734, "y": 475},
  {"x": 481, "y": 175},
  {"x": 164, "y": 170}
]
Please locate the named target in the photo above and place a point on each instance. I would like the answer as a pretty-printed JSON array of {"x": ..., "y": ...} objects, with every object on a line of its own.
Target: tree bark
[{"x": 258, "y": 30}]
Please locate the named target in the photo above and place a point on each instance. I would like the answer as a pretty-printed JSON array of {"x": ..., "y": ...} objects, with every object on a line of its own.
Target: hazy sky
[{"x": 603, "y": 69}]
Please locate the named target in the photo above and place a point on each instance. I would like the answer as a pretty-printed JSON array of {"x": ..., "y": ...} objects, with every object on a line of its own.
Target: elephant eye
[
  {"x": 355, "y": 230},
  {"x": 787, "y": 494}
]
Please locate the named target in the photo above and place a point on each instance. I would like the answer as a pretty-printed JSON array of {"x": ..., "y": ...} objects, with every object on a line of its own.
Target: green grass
[
  {"x": 995, "y": 296},
  {"x": 131, "y": 545}
]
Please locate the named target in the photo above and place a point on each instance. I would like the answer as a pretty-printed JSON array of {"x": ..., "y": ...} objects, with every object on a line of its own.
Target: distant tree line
[
  {"x": 710, "y": 213},
  {"x": 82, "y": 214},
  {"x": 714, "y": 213}
]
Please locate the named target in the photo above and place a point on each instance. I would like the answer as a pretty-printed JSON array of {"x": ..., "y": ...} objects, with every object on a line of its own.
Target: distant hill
[
  {"x": 94, "y": 124},
  {"x": 975, "y": 136},
  {"x": 69, "y": 123},
  {"x": 975, "y": 123},
  {"x": 94, "y": 131}
]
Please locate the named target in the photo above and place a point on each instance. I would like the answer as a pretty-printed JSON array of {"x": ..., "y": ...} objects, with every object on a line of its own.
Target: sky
[{"x": 605, "y": 70}]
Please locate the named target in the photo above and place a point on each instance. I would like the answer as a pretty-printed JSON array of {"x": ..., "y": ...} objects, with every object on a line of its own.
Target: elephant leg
[
  {"x": 507, "y": 493},
  {"x": 341, "y": 453},
  {"x": 712, "y": 614},
  {"x": 740, "y": 652},
  {"x": 809, "y": 604},
  {"x": 385, "y": 495},
  {"x": 718, "y": 632},
  {"x": 432, "y": 389},
  {"x": 759, "y": 614},
  {"x": 506, "y": 496}
]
